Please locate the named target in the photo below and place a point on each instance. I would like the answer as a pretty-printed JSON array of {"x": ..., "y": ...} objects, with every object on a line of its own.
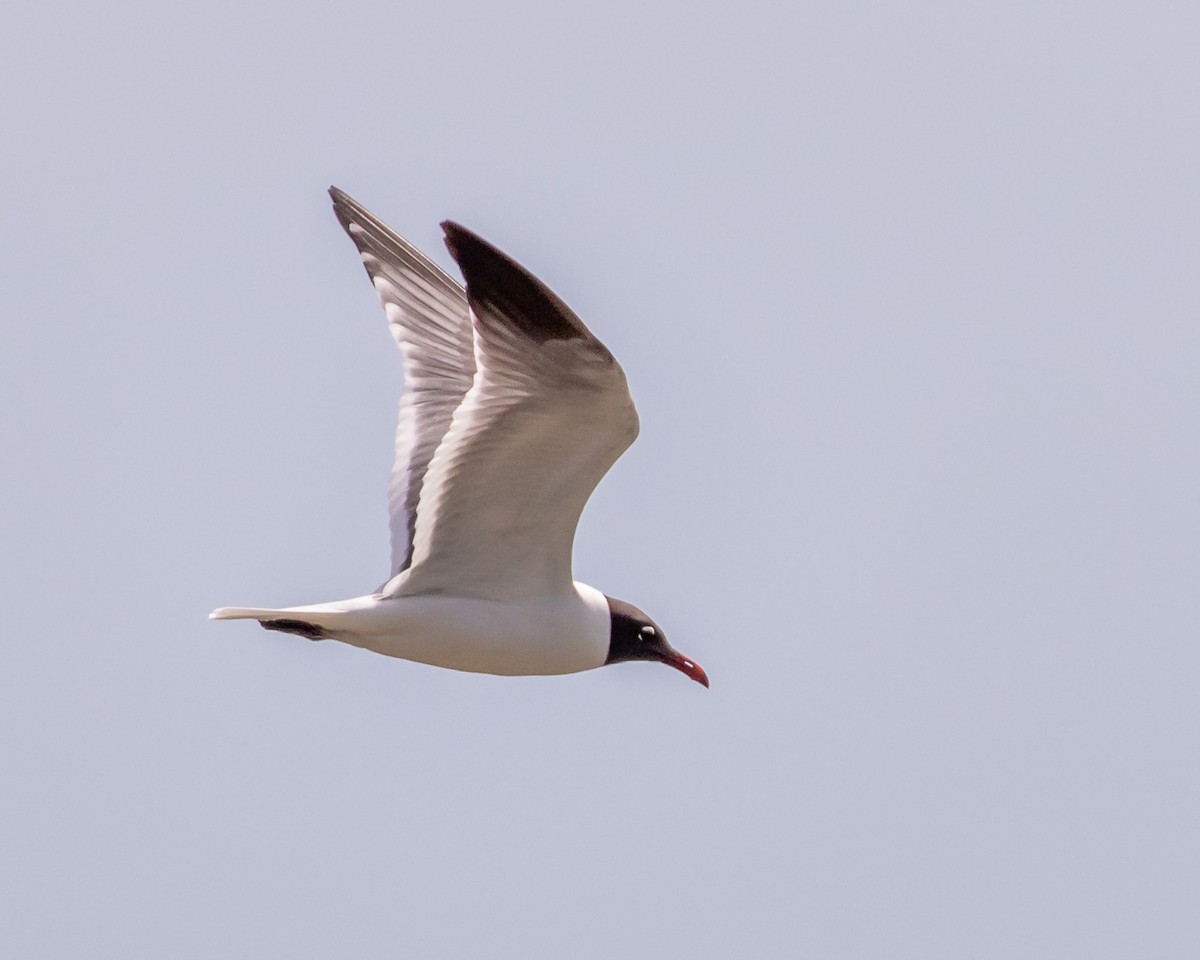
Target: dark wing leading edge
[
  {"x": 428, "y": 316},
  {"x": 546, "y": 416}
]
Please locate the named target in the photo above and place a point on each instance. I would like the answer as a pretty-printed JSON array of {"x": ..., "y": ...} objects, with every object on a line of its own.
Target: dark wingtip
[
  {"x": 457, "y": 237},
  {"x": 345, "y": 207},
  {"x": 341, "y": 198},
  {"x": 499, "y": 287}
]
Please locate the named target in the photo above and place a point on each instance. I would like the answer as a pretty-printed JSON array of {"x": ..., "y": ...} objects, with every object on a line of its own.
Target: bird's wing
[
  {"x": 546, "y": 416},
  {"x": 428, "y": 316}
]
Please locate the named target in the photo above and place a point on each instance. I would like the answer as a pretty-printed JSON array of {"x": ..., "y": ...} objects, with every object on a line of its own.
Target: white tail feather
[{"x": 247, "y": 613}]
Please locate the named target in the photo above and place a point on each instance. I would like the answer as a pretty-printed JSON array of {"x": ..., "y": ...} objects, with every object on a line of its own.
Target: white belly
[{"x": 561, "y": 634}]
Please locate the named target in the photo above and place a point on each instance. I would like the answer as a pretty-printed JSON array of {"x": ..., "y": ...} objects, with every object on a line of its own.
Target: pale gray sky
[{"x": 907, "y": 296}]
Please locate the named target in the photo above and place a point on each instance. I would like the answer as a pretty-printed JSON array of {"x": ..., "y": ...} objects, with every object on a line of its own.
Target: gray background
[{"x": 906, "y": 294}]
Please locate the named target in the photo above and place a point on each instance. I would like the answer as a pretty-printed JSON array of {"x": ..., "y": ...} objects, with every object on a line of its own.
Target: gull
[{"x": 511, "y": 413}]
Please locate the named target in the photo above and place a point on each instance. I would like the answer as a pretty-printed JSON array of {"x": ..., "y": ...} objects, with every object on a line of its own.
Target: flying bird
[{"x": 511, "y": 413}]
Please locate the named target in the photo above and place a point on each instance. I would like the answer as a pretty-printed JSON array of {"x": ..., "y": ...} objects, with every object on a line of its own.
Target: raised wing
[
  {"x": 546, "y": 416},
  {"x": 428, "y": 316}
]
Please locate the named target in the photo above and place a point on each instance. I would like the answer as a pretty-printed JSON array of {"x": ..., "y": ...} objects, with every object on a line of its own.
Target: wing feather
[
  {"x": 547, "y": 413},
  {"x": 428, "y": 318}
]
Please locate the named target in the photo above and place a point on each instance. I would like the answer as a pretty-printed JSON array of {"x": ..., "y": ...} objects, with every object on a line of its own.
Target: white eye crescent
[{"x": 648, "y": 632}]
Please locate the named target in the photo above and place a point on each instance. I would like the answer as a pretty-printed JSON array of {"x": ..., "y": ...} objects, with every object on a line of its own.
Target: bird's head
[{"x": 634, "y": 636}]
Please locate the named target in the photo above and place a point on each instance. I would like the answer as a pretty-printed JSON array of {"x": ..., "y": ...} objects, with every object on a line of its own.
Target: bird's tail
[
  {"x": 247, "y": 613},
  {"x": 337, "y": 620},
  {"x": 311, "y": 623}
]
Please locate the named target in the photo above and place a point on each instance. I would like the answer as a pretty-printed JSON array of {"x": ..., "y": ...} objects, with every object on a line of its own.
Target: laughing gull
[{"x": 511, "y": 413}]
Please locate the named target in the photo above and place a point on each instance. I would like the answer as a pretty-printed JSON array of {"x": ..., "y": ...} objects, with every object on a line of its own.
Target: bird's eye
[{"x": 649, "y": 633}]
